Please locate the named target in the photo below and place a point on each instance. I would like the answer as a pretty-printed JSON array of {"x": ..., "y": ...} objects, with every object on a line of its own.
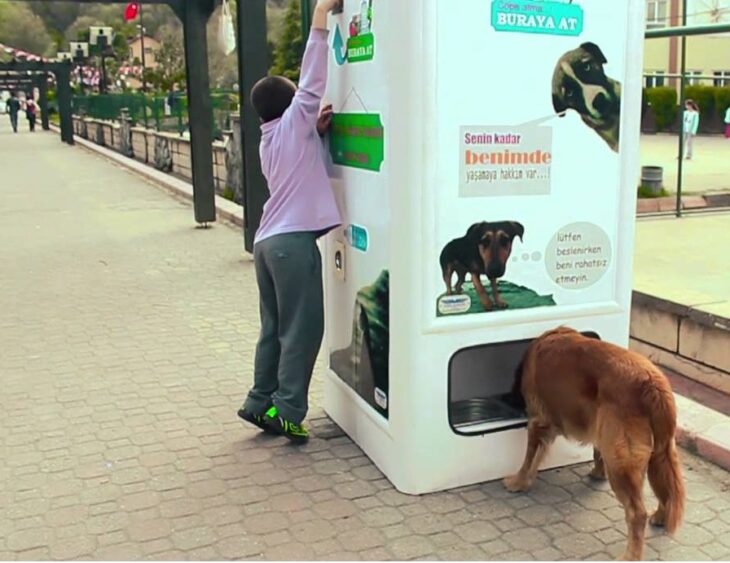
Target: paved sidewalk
[
  {"x": 127, "y": 339},
  {"x": 697, "y": 279}
]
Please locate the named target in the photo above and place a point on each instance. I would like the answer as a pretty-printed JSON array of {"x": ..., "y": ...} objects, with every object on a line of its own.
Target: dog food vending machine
[{"x": 485, "y": 156}]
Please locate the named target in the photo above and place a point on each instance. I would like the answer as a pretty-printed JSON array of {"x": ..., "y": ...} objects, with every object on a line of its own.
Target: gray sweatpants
[{"x": 289, "y": 276}]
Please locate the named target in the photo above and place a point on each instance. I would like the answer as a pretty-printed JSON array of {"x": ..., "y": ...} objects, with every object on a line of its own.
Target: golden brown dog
[{"x": 598, "y": 393}]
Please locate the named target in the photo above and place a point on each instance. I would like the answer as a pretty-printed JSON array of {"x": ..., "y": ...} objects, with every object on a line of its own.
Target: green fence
[{"x": 154, "y": 111}]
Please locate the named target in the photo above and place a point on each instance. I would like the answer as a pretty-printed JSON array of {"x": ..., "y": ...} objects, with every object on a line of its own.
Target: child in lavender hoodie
[{"x": 288, "y": 264}]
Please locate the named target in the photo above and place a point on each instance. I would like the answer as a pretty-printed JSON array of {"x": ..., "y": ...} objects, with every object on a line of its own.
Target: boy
[{"x": 288, "y": 264}]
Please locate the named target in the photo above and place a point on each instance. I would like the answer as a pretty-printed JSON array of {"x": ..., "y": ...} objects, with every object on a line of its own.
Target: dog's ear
[
  {"x": 595, "y": 51},
  {"x": 515, "y": 229},
  {"x": 559, "y": 105},
  {"x": 476, "y": 231}
]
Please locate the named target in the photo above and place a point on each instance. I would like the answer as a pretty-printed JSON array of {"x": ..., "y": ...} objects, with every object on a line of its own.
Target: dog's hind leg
[
  {"x": 448, "y": 273},
  {"x": 626, "y": 480},
  {"x": 625, "y": 445},
  {"x": 598, "y": 473},
  {"x": 539, "y": 438},
  {"x": 460, "y": 279}
]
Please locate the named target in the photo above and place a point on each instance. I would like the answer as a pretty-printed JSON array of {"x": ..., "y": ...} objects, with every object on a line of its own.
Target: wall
[
  {"x": 683, "y": 339},
  {"x": 143, "y": 143}
]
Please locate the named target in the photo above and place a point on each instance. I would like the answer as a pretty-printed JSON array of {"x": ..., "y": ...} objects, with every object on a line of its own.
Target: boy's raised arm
[{"x": 313, "y": 81}]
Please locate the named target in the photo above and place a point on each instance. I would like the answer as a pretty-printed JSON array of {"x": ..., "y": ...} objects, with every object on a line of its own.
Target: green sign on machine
[
  {"x": 357, "y": 140},
  {"x": 361, "y": 48},
  {"x": 537, "y": 16}
]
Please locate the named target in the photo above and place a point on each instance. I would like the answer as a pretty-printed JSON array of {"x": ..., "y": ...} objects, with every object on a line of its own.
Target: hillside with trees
[{"x": 44, "y": 28}]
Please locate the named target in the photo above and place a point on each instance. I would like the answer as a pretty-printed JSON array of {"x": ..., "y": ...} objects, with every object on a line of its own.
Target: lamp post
[
  {"x": 102, "y": 37},
  {"x": 80, "y": 52},
  {"x": 141, "y": 39}
]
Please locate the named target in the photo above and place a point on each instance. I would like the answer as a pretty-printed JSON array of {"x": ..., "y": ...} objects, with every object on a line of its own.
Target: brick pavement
[{"x": 127, "y": 339}]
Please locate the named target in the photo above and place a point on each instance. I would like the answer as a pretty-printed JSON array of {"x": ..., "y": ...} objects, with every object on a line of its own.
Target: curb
[
  {"x": 699, "y": 429},
  {"x": 703, "y": 431}
]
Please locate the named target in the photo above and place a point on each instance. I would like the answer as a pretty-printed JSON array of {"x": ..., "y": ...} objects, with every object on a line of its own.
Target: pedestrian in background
[
  {"x": 727, "y": 123},
  {"x": 31, "y": 111},
  {"x": 690, "y": 125},
  {"x": 13, "y": 110}
]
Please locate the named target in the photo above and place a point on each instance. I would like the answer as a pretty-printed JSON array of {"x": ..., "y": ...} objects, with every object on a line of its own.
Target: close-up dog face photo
[
  {"x": 495, "y": 246},
  {"x": 581, "y": 84}
]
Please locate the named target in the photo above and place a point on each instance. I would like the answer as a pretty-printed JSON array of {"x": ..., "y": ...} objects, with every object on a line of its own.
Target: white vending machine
[{"x": 484, "y": 154}]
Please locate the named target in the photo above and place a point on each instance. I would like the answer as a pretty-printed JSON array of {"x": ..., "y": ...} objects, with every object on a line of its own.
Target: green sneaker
[
  {"x": 296, "y": 433},
  {"x": 257, "y": 420}
]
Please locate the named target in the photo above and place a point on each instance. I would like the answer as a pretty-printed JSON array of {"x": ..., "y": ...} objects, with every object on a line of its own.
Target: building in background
[
  {"x": 132, "y": 71},
  {"x": 706, "y": 55},
  {"x": 151, "y": 47}
]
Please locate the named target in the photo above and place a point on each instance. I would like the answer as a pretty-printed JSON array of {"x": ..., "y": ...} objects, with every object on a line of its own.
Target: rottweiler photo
[
  {"x": 580, "y": 84},
  {"x": 483, "y": 250}
]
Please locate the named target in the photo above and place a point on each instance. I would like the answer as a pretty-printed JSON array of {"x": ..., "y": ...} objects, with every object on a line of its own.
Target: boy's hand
[
  {"x": 328, "y": 5},
  {"x": 325, "y": 120},
  {"x": 319, "y": 20}
]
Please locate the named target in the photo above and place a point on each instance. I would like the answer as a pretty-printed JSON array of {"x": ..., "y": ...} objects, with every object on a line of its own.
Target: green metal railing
[{"x": 154, "y": 112}]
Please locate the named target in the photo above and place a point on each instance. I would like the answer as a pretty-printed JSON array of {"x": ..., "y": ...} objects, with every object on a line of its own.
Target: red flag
[{"x": 131, "y": 11}]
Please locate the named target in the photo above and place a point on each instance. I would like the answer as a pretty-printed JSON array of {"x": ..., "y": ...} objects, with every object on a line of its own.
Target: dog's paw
[
  {"x": 658, "y": 518},
  {"x": 515, "y": 483},
  {"x": 502, "y": 304},
  {"x": 597, "y": 474}
]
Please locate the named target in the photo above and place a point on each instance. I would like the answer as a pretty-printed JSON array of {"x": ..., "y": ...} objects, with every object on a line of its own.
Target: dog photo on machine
[
  {"x": 484, "y": 250},
  {"x": 581, "y": 84},
  {"x": 595, "y": 392}
]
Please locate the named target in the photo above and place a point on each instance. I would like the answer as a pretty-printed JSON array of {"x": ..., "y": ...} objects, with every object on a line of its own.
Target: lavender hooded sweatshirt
[{"x": 292, "y": 158}]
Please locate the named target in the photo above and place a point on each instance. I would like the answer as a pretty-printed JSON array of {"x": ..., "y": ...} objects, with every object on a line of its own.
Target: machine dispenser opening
[
  {"x": 482, "y": 398},
  {"x": 481, "y": 381}
]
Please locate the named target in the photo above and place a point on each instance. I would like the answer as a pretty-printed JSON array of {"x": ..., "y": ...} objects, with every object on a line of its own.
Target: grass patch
[
  {"x": 516, "y": 296},
  {"x": 645, "y": 192}
]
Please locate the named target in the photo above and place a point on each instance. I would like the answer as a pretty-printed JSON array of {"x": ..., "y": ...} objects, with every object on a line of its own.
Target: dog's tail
[{"x": 665, "y": 470}]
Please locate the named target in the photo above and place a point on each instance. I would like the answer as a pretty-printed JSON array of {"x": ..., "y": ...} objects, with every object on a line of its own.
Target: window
[
  {"x": 656, "y": 13},
  {"x": 722, "y": 78},
  {"x": 651, "y": 80},
  {"x": 691, "y": 74}
]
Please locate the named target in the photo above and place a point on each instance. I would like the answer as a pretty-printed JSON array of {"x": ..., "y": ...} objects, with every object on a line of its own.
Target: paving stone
[
  {"x": 428, "y": 524},
  {"x": 578, "y": 546},
  {"x": 239, "y": 547},
  {"x": 381, "y": 516},
  {"x": 28, "y": 539},
  {"x": 313, "y": 531},
  {"x": 396, "y": 531},
  {"x": 354, "y": 489},
  {"x": 410, "y": 547},
  {"x": 335, "y": 509},
  {"x": 193, "y": 538},
  {"x": 146, "y": 530},
  {"x": 477, "y": 532},
  {"x": 71, "y": 548},
  {"x": 361, "y": 539}
]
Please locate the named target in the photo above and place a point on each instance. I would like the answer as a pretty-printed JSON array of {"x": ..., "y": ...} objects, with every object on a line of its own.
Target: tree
[
  {"x": 22, "y": 29},
  {"x": 56, "y": 15},
  {"x": 288, "y": 53},
  {"x": 170, "y": 60}
]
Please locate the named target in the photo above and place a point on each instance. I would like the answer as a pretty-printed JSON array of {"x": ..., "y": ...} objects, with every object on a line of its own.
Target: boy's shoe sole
[
  {"x": 295, "y": 433},
  {"x": 257, "y": 420}
]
